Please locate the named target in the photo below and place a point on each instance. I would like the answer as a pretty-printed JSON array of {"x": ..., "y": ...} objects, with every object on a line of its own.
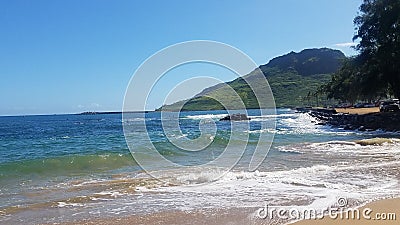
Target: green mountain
[{"x": 292, "y": 77}]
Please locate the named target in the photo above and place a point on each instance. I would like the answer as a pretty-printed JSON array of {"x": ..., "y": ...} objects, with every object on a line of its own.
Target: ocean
[{"x": 66, "y": 168}]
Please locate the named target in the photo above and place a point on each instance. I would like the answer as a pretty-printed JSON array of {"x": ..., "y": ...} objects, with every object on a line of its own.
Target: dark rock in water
[
  {"x": 303, "y": 109},
  {"x": 235, "y": 117}
]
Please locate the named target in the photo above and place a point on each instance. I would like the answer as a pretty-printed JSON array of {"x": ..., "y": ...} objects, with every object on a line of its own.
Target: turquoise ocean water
[{"x": 57, "y": 168}]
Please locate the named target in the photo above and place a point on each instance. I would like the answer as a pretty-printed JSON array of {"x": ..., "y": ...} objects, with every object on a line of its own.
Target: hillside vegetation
[{"x": 292, "y": 77}]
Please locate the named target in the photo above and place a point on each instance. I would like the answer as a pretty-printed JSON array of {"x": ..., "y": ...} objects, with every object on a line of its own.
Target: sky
[{"x": 69, "y": 56}]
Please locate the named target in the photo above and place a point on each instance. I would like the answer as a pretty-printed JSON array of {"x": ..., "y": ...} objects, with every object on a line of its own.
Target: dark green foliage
[
  {"x": 308, "y": 62},
  {"x": 378, "y": 28},
  {"x": 205, "y": 103},
  {"x": 375, "y": 72},
  {"x": 345, "y": 83},
  {"x": 292, "y": 90}
]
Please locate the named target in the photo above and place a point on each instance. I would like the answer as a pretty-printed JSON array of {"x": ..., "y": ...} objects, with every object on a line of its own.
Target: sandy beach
[
  {"x": 212, "y": 217},
  {"x": 379, "y": 209},
  {"x": 359, "y": 111},
  {"x": 389, "y": 208}
]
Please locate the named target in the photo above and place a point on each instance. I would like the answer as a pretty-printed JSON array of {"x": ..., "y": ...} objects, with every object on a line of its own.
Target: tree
[
  {"x": 345, "y": 84},
  {"x": 378, "y": 29},
  {"x": 375, "y": 71}
]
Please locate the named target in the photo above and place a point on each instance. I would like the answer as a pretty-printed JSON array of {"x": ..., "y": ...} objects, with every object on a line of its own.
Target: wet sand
[
  {"x": 206, "y": 216},
  {"x": 247, "y": 216}
]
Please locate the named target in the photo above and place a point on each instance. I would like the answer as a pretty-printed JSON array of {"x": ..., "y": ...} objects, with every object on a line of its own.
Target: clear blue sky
[{"x": 77, "y": 55}]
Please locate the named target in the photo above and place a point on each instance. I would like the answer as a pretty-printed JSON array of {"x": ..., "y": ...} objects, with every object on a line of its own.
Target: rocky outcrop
[
  {"x": 389, "y": 121},
  {"x": 235, "y": 117}
]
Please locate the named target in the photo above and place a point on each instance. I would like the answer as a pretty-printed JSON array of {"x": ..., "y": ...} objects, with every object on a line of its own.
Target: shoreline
[
  {"x": 232, "y": 216},
  {"x": 219, "y": 213},
  {"x": 239, "y": 216}
]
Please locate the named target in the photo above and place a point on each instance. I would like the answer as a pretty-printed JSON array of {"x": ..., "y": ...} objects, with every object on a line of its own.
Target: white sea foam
[
  {"x": 353, "y": 148},
  {"x": 65, "y": 204},
  {"x": 113, "y": 194},
  {"x": 320, "y": 185},
  {"x": 207, "y": 116},
  {"x": 289, "y": 149},
  {"x": 179, "y": 136},
  {"x": 253, "y": 118},
  {"x": 268, "y": 117},
  {"x": 267, "y": 130}
]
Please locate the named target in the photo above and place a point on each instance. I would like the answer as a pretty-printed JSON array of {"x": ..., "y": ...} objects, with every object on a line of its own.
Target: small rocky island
[{"x": 235, "y": 117}]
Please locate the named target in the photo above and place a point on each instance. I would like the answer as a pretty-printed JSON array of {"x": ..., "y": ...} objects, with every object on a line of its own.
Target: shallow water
[{"x": 69, "y": 167}]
